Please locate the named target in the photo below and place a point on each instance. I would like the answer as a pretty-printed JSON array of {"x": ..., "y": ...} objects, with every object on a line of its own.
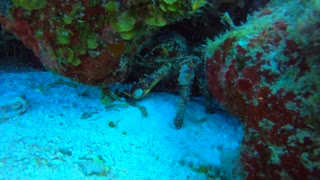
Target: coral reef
[
  {"x": 263, "y": 73},
  {"x": 85, "y": 40}
]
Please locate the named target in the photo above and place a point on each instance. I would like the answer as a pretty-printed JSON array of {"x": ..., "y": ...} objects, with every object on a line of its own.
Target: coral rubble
[{"x": 11, "y": 107}]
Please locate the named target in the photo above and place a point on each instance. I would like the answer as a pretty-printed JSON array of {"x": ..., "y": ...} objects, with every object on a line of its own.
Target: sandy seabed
[{"x": 54, "y": 128}]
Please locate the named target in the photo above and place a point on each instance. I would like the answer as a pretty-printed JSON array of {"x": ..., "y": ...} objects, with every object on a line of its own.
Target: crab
[{"x": 163, "y": 57}]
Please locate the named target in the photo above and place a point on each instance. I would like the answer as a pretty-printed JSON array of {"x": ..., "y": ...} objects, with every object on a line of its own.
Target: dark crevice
[
  {"x": 207, "y": 24},
  {"x": 14, "y": 54}
]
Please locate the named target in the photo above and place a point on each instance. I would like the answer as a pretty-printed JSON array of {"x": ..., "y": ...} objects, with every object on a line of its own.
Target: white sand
[{"x": 65, "y": 133}]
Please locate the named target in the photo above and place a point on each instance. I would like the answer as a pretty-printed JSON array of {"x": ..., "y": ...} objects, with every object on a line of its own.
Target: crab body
[{"x": 165, "y": 56}]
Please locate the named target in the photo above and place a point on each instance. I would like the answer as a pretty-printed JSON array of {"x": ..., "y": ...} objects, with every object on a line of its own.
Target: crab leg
[{"x": 186, "y": 77}]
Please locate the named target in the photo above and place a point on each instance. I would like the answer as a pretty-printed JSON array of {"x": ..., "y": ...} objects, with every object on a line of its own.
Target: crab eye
[{"x": 138, "y": 93}]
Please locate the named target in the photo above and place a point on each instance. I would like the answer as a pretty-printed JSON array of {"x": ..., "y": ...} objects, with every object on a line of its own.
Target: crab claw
[{"x": 144, "y": 86}]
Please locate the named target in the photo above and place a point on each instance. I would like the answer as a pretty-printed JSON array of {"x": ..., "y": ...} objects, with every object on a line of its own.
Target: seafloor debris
[
  {"x": 91, "y": 166},
  {"x": 12, "y": 107}
]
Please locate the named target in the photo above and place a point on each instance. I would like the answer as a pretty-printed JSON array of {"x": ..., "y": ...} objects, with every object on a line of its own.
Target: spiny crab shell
[{"x": 264, "y": 73}]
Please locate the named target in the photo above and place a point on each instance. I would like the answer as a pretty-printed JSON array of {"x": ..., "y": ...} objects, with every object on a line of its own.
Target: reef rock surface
[{"x": 266, "y": 72}]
